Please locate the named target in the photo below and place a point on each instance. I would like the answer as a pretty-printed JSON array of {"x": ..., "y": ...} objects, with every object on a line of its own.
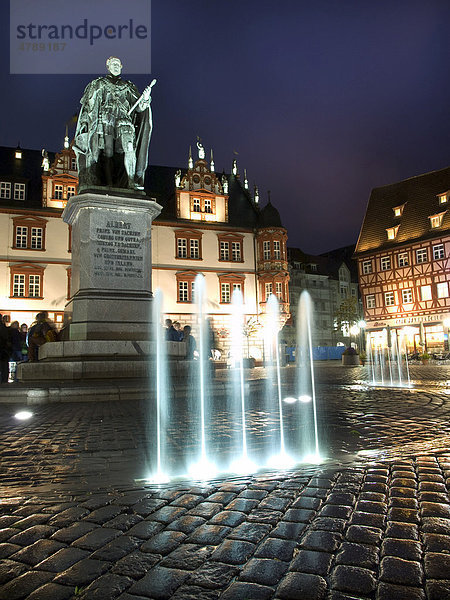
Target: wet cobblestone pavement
[{"x": 372, "y": 522}]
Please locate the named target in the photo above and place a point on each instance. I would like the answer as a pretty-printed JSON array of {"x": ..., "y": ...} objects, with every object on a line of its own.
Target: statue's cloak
[{"x": 104, "y": 101}]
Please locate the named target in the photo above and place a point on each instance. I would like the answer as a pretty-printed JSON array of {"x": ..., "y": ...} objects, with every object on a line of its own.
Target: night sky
[{"x": 322, "y": 101}]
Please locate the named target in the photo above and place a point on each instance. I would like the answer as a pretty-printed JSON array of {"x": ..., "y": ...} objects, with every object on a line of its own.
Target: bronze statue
[{"x": 113, "y": 132}]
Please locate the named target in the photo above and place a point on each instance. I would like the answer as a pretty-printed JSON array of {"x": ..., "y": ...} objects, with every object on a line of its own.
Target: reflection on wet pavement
[{"x": 87, "y": 445}]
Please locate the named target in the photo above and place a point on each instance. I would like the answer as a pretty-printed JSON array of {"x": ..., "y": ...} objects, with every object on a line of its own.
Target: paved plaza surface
[{"x": 78, "y": 521}]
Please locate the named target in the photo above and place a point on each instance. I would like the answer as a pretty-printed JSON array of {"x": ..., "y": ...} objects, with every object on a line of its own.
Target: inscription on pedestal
[{"x": 117, "y": 249}]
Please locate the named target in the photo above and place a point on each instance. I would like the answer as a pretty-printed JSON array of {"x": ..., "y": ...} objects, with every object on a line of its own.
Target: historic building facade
[
  {"x": 209, "y": 225},
  {"x": 403, "y": 262},
  {"x": 330, "y": 279}
]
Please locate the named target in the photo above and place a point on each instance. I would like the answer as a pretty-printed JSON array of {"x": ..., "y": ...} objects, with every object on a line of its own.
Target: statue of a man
[{"x": 113, "y": 132}]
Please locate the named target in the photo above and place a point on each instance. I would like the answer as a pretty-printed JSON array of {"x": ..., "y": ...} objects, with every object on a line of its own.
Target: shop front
[{"x": 429, "y": 333}]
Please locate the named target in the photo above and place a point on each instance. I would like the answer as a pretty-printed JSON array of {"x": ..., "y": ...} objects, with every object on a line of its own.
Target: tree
[{"x": 347, "y": 315}]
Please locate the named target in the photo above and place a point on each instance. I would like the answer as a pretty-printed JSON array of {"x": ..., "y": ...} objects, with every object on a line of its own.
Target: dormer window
[
  {"x": 18, "y": 154},
  {"x": 398, "y": 211},
  {"x": 392, "y": 232},
  {"x": 443, "y": 198},
  {"x": 436, "y": 220}
]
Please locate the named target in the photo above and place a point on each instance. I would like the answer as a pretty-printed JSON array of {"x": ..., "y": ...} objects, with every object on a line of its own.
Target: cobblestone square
[{"x": 372, "y": 522}]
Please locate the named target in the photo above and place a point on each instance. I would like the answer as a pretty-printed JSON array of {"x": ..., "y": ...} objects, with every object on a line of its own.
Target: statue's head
[{"x": 114, "y": 65}]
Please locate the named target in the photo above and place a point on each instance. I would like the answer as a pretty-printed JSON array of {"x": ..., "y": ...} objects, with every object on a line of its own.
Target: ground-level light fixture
[{"x": 23, "y": 415}]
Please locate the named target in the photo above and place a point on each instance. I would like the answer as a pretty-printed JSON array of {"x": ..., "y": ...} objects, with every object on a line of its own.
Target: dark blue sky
[{"x": 322, "y": 100}]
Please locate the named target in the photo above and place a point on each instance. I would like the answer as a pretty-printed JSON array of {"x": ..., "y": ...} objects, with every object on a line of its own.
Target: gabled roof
[
  {"x": 160, "y": 184},
  {"x": 419, "y": 197}
]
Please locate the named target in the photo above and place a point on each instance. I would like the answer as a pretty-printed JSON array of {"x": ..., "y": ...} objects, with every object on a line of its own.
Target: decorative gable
[{"x": 200, "y": 193}]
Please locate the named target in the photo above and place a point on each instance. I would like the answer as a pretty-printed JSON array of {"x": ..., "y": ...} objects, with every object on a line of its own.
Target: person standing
[
  {"x": 23, "y": 338},
  {"x": 171, "y": 332},
  {"x": 5, "y": 351},
  {"x": 179, "y": 331},
  {"x": 189, "y": 340}
]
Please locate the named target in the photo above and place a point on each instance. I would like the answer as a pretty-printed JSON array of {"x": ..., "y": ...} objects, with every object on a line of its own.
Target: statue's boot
[{"x": 129, "y": 160}]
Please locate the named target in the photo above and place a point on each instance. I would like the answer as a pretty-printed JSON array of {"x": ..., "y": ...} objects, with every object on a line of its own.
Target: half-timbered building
[{"x": 403, "y": 255}]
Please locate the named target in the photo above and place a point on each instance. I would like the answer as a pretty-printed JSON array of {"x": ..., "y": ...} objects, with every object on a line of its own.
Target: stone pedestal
[
  {"x": 107, "y": 320},
  {"x": 111, "y": 266}
]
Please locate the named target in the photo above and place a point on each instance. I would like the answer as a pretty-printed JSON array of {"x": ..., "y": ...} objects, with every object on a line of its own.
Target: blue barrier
[{"x": 319, "y": 353}]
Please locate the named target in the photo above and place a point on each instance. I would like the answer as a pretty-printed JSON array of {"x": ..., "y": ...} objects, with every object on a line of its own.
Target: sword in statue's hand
[{"x": 141, "y": 97}]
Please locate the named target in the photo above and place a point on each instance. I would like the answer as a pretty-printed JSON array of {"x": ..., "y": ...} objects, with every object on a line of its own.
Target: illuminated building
[
  {"x": 210, "y": 224},
  {"x": 330, "y": 279},
  {"x": 403, "y": 262}
]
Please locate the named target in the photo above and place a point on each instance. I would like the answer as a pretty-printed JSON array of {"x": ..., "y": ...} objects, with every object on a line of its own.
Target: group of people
[
  {"x": 174, "y": 333},
  {"x": 19, "y": 344}
]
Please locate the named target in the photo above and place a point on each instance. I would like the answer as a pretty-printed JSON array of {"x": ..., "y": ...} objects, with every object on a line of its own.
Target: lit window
[
  {"x": 70, "y": 191},
  {"x": 403, "y": 260},
  {"x": 225, "y": 292},
  {"x": 34, "y": 286},
  {"x": 196, "y": 205},
  {"x": 208, "y": 208},
  {"x": 443, "y": 198},
  {"x": 228, "y": 284},
  {"x": 266, "y": 250},
  {"x": 5, "y": 189},
  {"x": 185, "y": 286},
  {"x": 370, "y": 301},
  {"x": 58, "y": 192},
  {"x": 36, "y": 238},
  {"x": 385, "y": 263},
  {"x": 26, "y": 281},
  {"x": 29, "y": 233},
  {"x": 21, "y": 237},
  {"x": 425, "y": 292},
  {"x": 188, "y": 244},
  {"x": 421, "y": 255},
  {"x": 279, "y": 290},
  {"x": 224, "y": 251},
  {"x": 19, "y": 191},
  {"x": 236, "y": 251},
  {"x": 407, "y": 296},
  {"x": 438, "y": 251},
  {"x": 268, "y": 289},
  {"x": 181, "y": 248},
  {"x": 183, "y": 291},
  {"x": 436, "y": 220},
  {"x": 19, "y": 285},
  {"x": 392, "y": 232},
  {"x": 18, "y": 154},
  {"x": 194, "y": 248},
  {"x": 367, "y": 267},
  {"x": 398, "y": 210},
  {"x": 389, "y": 298},
  {"x": 276, "y": 250},
  {"x": 442, "y": 290}
]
